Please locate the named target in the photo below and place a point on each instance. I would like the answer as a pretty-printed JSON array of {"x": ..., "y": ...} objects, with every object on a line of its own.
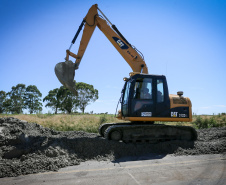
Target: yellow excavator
[{"x": 145, "y": 97}]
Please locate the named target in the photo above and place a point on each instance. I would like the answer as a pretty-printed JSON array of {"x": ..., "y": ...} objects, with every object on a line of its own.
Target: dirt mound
[
  {"x": 30, "y": 148},
  {"x": 210, "y": 141}
]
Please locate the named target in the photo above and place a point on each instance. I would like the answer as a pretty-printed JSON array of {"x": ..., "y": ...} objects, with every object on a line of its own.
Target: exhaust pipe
[{"x": 65, "y": 72}]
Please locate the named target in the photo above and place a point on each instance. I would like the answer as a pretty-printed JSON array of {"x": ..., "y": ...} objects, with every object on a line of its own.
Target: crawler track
[{"x": 151, "y": 133}]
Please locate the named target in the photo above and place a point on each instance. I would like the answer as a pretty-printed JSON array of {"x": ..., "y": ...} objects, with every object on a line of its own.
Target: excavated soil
[{"x": 27, "y": 148}]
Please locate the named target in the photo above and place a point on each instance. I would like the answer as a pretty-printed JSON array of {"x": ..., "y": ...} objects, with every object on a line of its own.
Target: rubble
[{"x": 27, "y": 148}]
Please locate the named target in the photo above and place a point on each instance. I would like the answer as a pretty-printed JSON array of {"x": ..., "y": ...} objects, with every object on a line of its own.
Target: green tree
[
  {"x": 2, "y": 100},
  {"x": 68, "y": 100},
  {"x": 7, "y": 104},
  {"x": 16, "y": 96},
  {"x": 33, "y": 99},
  {"x": 53, "y": 100},
  {"x": 86, "y": 95}
]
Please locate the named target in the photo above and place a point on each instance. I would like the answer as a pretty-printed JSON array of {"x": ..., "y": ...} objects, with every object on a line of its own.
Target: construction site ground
[
  {"x": 147, "y": 169},
  {"x": 28, "y": 148}
]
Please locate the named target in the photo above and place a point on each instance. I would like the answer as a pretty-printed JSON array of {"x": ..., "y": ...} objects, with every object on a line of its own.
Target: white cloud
[
  {"x": 212, "y": 109},
  {"x": 221, "y": 106},
  {"x": 99, "y": 101},
  {"x": 209, "y": 107},
  {"x": 213, "y": 106}
]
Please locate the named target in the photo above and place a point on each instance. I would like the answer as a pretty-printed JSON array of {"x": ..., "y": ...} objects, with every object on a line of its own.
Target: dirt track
[{"x": 27, "y": 148}]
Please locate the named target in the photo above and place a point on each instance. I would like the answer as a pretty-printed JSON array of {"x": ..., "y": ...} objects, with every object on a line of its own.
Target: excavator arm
[{"x": 65, "y": 71}]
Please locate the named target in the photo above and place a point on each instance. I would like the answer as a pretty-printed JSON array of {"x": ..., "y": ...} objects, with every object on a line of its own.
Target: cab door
[
  {"x": 125, "y": 103},
  {"x": 142, "y": 101},
  {"x": 162, "y": 98}
]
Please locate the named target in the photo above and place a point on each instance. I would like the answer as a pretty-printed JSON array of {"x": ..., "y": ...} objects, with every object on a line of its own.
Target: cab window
[
  {"x": 143, "y": 89},
  {"x": 126, "y": 95},
  {"x": 160, "y": 91}
]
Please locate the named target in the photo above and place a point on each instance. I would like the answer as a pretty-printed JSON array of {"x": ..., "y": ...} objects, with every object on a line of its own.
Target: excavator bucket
[{"x": 65, "y": 72}]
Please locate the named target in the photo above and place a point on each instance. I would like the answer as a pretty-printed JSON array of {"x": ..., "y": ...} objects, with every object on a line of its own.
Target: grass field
[
  {"x": 65, "y": 122},
  {"x": 208, "y": 121},
  {"x": 91, "y": 123}
]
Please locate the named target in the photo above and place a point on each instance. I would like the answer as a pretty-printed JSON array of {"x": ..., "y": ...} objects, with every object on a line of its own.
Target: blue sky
[{"x": 184, "y": 40}]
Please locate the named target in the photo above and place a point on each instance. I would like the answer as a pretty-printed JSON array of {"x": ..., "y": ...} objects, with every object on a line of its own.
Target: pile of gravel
[{"x": 27, "y": 148}]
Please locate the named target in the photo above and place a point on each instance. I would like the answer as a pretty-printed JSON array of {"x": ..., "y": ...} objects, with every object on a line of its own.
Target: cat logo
[
  {"x": 121, "y": 44},
  {"x": 174, "y": 114}
]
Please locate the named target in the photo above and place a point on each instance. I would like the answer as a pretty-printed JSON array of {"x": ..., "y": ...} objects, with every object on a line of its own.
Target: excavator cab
[
  {"x": 145, "y": 98},
  {"x": 144, "y": 95}
]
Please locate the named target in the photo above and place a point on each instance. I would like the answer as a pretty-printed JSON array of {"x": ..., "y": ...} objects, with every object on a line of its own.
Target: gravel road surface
[{"x": 207, "y": 169}]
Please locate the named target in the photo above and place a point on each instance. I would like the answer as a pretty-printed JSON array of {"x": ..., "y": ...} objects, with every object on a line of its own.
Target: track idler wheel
[
  {"x": 115, "y": 135},
  {"x": 112, "y": 133}
]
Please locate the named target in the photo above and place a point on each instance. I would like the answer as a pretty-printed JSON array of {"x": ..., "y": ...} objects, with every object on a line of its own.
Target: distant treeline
[{"x": 29, "y": 98}]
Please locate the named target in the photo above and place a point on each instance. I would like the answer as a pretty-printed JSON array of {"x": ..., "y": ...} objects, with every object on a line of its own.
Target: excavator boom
[{"x": 65, "y": 71}]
